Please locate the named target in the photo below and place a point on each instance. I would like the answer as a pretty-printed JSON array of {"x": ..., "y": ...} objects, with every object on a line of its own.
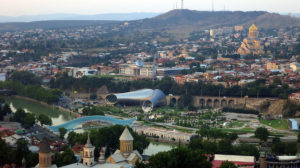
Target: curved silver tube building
[{"x": 148, "y": 98}]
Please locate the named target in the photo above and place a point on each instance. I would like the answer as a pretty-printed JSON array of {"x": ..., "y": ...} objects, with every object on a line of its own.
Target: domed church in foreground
[{"x": 125, "y": 157}]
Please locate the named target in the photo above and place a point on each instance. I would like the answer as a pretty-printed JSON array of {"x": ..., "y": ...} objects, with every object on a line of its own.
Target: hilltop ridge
[
  {"x": 174, "y": 21},
  {"x": 193, "y": 20}
]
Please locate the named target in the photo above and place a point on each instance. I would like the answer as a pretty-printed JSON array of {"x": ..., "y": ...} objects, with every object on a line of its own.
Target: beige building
[
  {"x": 238, "y": 28},
  {"x": 279, "y": 162},
  {"x": 138, "y": 69},
  {"x": 165, "y": 135},
  {"x": 272, "y": 66},
  {"x": 295, "y": 66},
  {"x": 251, "y": 45}
]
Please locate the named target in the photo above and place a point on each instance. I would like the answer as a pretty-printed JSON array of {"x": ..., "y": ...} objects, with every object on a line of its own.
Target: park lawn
[
  {"x": 237, "y": 124},
  {"x": 277, "y": 124},
  {"x": 108, "y": 76},
  {"x": 238, "y": 131}
]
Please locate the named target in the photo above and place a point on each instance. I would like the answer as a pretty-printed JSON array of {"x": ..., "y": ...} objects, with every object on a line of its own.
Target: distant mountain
[
  {"x": 177, "y": 22},
  {"x": 190, "y": 20},
  {"x": 52, "y": 24},
  {"x": 296, "y": 15},
  {"x": 108, "y": 16}
]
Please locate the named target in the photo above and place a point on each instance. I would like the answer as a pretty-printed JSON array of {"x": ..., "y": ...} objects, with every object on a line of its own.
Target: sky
[{"x": 37, "y": 7}]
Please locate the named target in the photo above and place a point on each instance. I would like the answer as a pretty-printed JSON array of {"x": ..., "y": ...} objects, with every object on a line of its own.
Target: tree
[
  {"x": 65, "y": 158},
  {"x": 228, "y": 164},
  {"x": 25, "y": 78},
  {"x": 7, "y": 109},
  {"x": 139, "y": 164},
  {"x": 109, "y": 137},
  {"x": 246, "y": 150},
  {"x": 262, "y": 133},
  {"x": 19, "y": 115},
  {"x": 165, "y": 84},
  {"x": 2, "y": 100},
  {"x": 62, "y": 132},
  {"x": 29, "y": 120},
  {"x": 187, "y": 99},
  {"x": 232, "y": 136},
  {"x": 195, "y": 144},
  {"x": 22, "y": 150},
  {"x": 5, "y": 153},
  {"x": 179, "y": 157},
  {"x": 93, "y": 110},
  {"x": 93, "y": 96},
  {"x": 44, "y": 119}
]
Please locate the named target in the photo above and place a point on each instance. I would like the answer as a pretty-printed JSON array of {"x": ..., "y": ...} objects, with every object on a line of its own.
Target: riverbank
[
  {"x": 48, "y": 105},
  {"x": 159, "y": 140},
  {"x": 35, "y": 107}
]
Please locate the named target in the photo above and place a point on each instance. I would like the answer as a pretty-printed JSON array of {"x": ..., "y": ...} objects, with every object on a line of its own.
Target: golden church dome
[{"x": 253, "y": 28}]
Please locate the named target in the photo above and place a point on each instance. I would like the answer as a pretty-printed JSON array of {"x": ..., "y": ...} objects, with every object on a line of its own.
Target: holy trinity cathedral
[
  {"x": 251, "y": 45},
  {"x": 126, "y": 157}
]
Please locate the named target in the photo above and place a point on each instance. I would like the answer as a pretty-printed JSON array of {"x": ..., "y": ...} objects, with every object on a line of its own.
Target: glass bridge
[{"x": 71, "y": 125}]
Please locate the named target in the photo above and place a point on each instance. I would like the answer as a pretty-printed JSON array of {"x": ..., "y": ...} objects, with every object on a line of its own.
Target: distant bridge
[
  {"x": 217, "y": 102},
  {"x": 205, "y": 101}
]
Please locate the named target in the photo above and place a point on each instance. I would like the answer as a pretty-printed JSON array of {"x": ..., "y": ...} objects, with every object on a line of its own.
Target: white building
[
  {"x": 295, "y": 66},
  {"x": 138, "y": 69},
  {"x": 80, "y": 72},
  {"x": 2, "y": 77},
  {"x": 163, "y": 134}
]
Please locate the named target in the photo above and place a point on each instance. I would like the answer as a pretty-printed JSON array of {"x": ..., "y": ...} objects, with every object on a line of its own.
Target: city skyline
[{"x": 37, "y": 7}]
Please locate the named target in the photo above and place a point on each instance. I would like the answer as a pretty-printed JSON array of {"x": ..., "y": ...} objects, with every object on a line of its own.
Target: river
[
  {"x": 58, "y": 117},
  {"x": 155, "y": 147}
]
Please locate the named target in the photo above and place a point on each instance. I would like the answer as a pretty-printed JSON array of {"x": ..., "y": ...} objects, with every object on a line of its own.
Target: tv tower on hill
[{"x": 182, "y": 4}]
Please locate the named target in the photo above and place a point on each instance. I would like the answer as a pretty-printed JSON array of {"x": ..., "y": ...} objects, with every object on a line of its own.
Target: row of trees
[
  {"x": 28, "y": 119},
  {"x": 10, "y": 155},
  {"x": 193, "y": 154},
  {"x": 212, "y": 133},
  {"x": 93, "y": 111},
  {"x": 109, "y": 137},
  {"x": 290, "y": 109},
  {"x": 33, "y": 91},
  {"x": 242, "y": 111},
  {"x": 27, "y": 84},
  {"x": 169, "y": 86},
  {"x": 4, "y": 109},
  {"x": 64, "y": 158},
  {"x": 15, "y": 155}
]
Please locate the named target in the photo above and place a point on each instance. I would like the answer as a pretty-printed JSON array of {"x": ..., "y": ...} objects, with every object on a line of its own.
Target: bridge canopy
[{"x": 71, "y": 125}]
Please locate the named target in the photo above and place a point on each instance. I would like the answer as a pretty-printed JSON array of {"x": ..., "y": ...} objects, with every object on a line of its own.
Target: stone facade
[{"x": 251, "y": 45}]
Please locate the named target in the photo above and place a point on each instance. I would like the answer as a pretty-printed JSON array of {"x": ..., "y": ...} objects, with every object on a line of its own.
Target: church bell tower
[
  {"x": 126, "y": 142},
  {"x": 88, "y": 153}
]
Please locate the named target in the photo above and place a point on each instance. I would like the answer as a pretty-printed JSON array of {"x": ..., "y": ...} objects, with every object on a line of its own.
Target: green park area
[
  {"x": 277, "y": 124},
  {"x": 238, "y": 131},
  {"x": 109, "y": 76},
  {"x": 237, "y": 124}
]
